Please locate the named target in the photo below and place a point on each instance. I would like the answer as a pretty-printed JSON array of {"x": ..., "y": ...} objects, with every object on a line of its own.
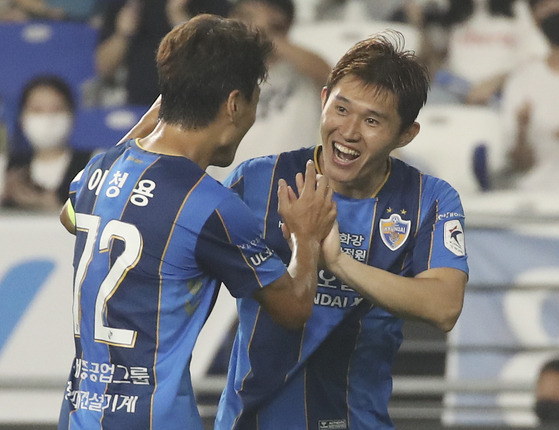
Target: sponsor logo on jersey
[
  {"x": 394, "y": 231},
  {"x": 254, "y": 242},
  {"x": 454, "y": 237},
  {"x": 261, "y": 257},
  {"x": 336, "y": 300},
  {"x": 332, "y": 425},
  {"x": 448, "y": 215}
]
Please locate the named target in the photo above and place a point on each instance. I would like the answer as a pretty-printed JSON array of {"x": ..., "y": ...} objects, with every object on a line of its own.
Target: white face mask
[{"x": 47, "y": 130}]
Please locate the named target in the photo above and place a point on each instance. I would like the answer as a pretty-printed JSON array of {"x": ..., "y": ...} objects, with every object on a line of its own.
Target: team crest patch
[
  {"x": 394, "y": 231},
  {"x": 454, "y": 237}
]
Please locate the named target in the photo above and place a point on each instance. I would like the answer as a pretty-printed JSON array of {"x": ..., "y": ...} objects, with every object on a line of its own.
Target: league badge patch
[
  {"x": 454, "y": 237},
  {"x": 394, "y": 231}
]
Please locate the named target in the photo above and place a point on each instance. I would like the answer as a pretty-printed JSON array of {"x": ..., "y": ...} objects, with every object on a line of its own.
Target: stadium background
[{"x": 479, "y": 376}]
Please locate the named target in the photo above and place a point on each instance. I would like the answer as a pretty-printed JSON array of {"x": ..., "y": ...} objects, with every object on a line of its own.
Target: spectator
[
  {"x": 129, "y": 36},
  {"x": 530, "y": 118},
  {"x": 41, "y": 163},
  {"x": 482, "y": 42},
  {"x": 547, "y": 394},
  {"x": 289, "y": 108}
]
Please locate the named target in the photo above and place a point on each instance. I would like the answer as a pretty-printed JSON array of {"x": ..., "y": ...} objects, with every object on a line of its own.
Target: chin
[
  {"x": 223, "y": 160},
  {"x": 222, "y": 163}
]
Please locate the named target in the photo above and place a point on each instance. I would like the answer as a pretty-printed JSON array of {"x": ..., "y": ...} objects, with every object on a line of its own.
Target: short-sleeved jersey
[
  {"x": 336, "y": 373},
  {"x": 155, "y": 237}
]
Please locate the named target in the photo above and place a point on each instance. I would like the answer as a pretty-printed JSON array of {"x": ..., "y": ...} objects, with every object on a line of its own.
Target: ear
[
  {"x": 408, "y": 135},
  {"x": 323, "y": 96},
  {"x": 233, "y": 105}
]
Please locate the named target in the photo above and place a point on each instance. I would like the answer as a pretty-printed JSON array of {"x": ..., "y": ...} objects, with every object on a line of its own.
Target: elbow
[
  {"x": 447, "y": 324},
  {"x": 295, "y": 319},
  {"x": 446, "y": 319}
]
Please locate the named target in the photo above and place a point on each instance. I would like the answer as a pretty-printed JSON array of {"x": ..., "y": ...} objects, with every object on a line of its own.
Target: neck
[{"x": 194, "y": 144}]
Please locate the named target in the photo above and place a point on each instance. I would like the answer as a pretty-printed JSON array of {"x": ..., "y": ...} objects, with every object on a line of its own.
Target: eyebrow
[{"x": 370, "y": 111}]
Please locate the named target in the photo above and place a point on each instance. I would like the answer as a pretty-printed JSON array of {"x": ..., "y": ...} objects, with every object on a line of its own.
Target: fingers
[
  {"x": 285, "y": 232},
  {"x": 313, "y": 212},
  {"x": 310, "y": 179},
  {"x": 283, "y": 195}
]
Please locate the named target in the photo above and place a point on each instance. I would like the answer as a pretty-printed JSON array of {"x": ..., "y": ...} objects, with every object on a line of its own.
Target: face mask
[
  {"x": 547, "y": 411},
  {"x": 550, "y": 27},
  {"x": 47, "y": 130}
]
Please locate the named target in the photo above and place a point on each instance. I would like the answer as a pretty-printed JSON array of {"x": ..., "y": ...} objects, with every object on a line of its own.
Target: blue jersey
[
  {"x": 336, "y": 373},
  {"x": 155, "y": 237}
]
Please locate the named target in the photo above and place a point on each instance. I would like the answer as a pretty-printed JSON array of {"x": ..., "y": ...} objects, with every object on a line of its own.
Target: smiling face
[{"x": 360, "y": 127}]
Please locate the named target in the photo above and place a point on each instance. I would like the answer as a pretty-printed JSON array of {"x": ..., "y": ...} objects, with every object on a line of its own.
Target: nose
[{"x": 350, "y": 129}]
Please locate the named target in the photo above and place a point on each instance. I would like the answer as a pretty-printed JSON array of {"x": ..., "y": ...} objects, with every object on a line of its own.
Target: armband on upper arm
[{"x": 71, "y": 213}]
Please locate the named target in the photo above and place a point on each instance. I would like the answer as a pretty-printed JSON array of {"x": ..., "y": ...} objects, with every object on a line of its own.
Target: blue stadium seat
[
  {"x": 28, "y": 49},
  {"x": 102, "y": 127}
]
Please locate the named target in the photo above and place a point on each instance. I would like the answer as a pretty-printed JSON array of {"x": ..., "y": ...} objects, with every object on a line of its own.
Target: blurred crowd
[{"x": 498, "y": 55}]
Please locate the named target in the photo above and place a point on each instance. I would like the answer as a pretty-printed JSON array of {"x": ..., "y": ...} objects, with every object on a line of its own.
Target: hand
[
  {"x": 311, "y": 216},
  {"x": 146, "y": 124},
  {"x": 331, "y": 249}
]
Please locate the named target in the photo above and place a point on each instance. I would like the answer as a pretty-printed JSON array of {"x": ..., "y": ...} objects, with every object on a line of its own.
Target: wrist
[
  {"x": 337, "y": 265},
  {"x": 307, "y": 248}
]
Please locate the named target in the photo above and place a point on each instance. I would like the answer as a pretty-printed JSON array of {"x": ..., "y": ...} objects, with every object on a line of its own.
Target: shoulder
[
  {"x": 431, "y": 186},
  {"x": 265, "y": 167},
  {"x": 438, "y": 187}
]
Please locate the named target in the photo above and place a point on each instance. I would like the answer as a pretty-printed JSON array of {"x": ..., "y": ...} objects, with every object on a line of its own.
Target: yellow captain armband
[{"x": 71, "y": 213}]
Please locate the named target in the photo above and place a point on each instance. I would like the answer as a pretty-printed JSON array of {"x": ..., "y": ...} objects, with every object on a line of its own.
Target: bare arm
[
  {"x": 434, "y": 296},
  {"x": 289, "y": 300},
  {"x": 40, "y": 8},
  {"x": 306, "y": 62},
  {"x": 110, "y": 54},
  {"x": 176, "y": 11},
  {"x": 522, "y": 155}
]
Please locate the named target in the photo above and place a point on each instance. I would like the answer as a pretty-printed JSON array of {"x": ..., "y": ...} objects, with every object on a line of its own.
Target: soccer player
[
  {"x": 399, "y": 252},
  {"x": 155, "y": 237}
]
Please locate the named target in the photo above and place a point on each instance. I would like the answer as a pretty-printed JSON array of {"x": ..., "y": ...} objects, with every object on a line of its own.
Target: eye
[
  {"x": 371, "y": 121},
  {"x": 340, "y": 109}
]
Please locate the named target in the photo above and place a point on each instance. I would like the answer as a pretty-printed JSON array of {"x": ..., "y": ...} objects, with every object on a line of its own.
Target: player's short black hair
[
  {"x": 381, "y": 61},
  {"x": 202, "y": 61}
]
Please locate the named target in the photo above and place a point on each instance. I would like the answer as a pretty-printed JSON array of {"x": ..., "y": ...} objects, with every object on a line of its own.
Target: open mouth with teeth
[{"x": 344, "y": 153}]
